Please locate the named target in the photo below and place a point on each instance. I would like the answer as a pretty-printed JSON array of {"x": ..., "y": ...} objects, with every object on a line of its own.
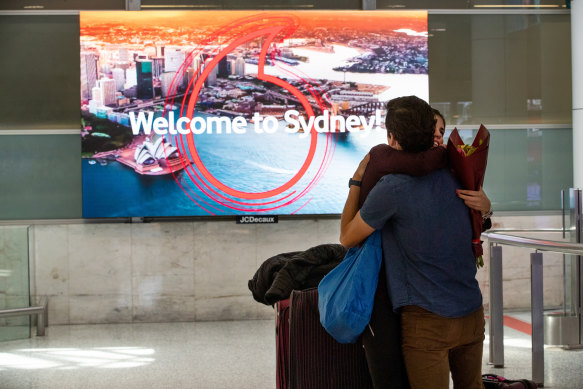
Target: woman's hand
[
  {"x": 359, "y": 173},
  {"x": 475, "y": 199}
]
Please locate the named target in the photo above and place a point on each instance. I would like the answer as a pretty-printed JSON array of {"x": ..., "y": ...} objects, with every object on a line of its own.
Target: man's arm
[{"x": 353, "y": 229}]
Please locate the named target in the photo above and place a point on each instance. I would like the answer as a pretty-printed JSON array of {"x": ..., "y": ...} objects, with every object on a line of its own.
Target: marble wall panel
[
  {"x": 164, "y": 285},
  {"x": 526, "y": 222},
  {"x": 225, "y": 259},
  {"x": 516, "y": 293},
  {"x": 162, "y": 248},
  {"x": 225, "y": 308},
  {"x": 98, "y": 309},
  {"x": 100, "y": 259},
  {"x": 329, "y": 230},
  {"x": 51, "y": 256},
  {"x": 151, "y": 308},
  {"x": 58, "y": 309},
  {"x": 265, "y": 312},
  {"x": 515, "y": 263},
  {"x": 106, "y": 273},
  {"x": 286, "y": 236}
]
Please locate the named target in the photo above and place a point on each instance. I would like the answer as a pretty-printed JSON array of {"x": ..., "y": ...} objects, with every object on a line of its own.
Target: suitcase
[
  {"x": 492, "y": 381},
  {"x": 316, "y": 360},
  {"x": 281, "y": 343}
]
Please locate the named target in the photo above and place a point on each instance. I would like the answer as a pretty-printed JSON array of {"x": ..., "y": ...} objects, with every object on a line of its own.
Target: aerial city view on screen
[{"x": 203, "y": 113}]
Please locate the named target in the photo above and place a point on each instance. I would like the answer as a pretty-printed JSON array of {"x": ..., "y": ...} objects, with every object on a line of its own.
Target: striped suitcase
[
  {"x": 316, "y": 360},
  {"x": 281, "y": 343}
]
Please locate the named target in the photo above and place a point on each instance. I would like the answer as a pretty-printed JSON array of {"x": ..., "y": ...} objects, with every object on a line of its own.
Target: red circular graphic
[{"x": 271, "y": 31}]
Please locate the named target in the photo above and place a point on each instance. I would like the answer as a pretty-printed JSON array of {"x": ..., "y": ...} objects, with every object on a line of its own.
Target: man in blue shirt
[{"x": 430, "y": 266}]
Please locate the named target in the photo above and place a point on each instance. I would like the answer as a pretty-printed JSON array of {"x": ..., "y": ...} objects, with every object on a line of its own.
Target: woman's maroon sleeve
[
  {"x": 416, "y": 164},
  {"x": 385, "y": 160}
]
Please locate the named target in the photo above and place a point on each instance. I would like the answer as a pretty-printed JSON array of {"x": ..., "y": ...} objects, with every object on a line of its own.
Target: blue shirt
[{"x": 426, "y": 238}]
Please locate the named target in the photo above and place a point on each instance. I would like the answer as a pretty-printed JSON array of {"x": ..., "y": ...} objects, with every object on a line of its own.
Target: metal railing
[
  {"x": 40, "y": 310},
  {"x": 496, "y": 328}
]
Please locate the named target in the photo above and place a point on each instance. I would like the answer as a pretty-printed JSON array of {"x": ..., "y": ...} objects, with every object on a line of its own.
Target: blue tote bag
[{"x": 346, "y": 294}]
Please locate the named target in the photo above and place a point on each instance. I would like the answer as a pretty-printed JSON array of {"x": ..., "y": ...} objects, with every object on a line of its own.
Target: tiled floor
[
  {"x": 563, "y": 368},
  {"x": 202, "y": 355},
  {"x": 173, "y": 355}
]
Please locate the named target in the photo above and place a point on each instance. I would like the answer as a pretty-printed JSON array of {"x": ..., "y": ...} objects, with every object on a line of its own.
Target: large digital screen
[{"x": 214, "y": 113}]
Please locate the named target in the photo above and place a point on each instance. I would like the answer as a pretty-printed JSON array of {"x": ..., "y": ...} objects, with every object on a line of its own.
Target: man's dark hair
[
  {"x": 437, "y": 113},
  {"x": 412, "y": 123}
]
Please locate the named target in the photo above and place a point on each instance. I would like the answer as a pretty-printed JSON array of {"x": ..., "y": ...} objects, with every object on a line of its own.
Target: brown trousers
[{"x": 432, "y": 345}]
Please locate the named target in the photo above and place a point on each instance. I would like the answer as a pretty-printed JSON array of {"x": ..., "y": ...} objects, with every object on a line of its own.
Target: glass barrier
[
  {"x": 14, "y": 281},
  {"x": 527, "y": 168}
]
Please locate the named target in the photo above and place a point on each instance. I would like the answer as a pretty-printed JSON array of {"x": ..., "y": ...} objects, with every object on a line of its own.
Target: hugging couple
[{"x": 428, "y": 318}]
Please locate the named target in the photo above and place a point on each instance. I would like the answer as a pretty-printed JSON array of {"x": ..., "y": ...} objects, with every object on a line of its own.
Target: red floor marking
[{"x": 516, "y": 324}]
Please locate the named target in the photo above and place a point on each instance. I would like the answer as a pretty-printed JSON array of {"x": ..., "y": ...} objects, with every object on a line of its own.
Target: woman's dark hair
[
  {"x": 412, "y": 123},
  {"x": 437, "y": 113}
]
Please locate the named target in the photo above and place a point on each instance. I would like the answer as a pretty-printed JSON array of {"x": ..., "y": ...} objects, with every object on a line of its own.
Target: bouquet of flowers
[{"x": 468, "y": 164}]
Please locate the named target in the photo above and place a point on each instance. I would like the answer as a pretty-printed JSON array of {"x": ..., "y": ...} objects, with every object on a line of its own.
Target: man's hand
[
  {"x": 475, "y": 199},
  {"x": 359, "y": 173}
]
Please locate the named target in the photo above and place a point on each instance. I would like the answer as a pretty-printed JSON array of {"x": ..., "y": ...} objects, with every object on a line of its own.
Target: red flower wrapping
[{"x": 470, "y": 171}]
